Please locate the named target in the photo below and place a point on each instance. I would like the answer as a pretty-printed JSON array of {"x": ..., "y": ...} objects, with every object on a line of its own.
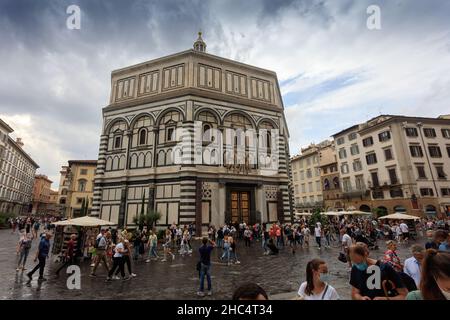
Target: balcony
[
  {"x": 315, "y": 204},
  {"x": 386, "y": 184},
  {"x": 354, "y": 193}
]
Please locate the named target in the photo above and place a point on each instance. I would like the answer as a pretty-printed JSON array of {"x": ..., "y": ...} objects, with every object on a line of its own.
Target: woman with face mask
[
  {"x": 366, "y": 286},
  {"x": 316, "y": 286},
  {"x": 435, "y": 277}
]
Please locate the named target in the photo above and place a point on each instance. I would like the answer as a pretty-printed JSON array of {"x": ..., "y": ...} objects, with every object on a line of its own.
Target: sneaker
[
  {"x": 163, "y": 260},
  {"x": 116, "y": 278},
  {"x": 23, "y": 268},
  {"x": 200, "y": 293},
  {"x": 93, "y": 265},
  {"x": 210, "y": 293},
  {"x": 147, "y": 261},
  {"x": 134, "y": 275},
  {"x": 42, "y": 279},
  {"x": 93, "y": 275},
  {"x": 108, "y": 279},
  {"x": 17, "y": 269},
  {"x": 29, "y": 276},
  {"x": 173, "y": 256},
  {"x": 237, "y": 262},
  {"x": 126, "y": 278}
]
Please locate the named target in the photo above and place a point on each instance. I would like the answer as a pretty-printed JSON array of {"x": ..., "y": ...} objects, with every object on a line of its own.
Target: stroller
[{"x": 370, "y": 242}]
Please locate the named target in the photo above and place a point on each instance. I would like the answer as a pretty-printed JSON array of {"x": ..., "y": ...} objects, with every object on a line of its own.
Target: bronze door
[{"x": 240, "y": 206}]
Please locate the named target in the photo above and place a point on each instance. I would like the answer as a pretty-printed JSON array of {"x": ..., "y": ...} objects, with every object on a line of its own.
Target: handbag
[{"x": 342, "y": 257}]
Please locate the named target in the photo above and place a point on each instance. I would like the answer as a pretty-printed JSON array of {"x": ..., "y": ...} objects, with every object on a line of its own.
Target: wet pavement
[{"x": 279, "y": 275}]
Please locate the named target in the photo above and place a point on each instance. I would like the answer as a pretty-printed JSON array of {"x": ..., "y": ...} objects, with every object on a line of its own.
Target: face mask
[
  {"x": 324, "y": 277},
  {"x": 361, "y": 266}
]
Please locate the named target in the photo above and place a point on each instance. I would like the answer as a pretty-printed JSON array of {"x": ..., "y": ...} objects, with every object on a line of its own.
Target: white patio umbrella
[
  {"x": 333, "y": 213},
  {"x": 356, "y": 212},
  {"x": 399, "y": 216},
  {"x": 84, "y": 222},
  {"x": 303, "y": 214}
]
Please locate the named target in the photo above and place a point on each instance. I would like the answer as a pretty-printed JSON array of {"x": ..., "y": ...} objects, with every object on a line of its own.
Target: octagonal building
[{"x": 150, "y": 151}]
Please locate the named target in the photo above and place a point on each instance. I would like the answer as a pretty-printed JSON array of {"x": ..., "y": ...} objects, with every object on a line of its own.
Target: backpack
[{"x": 97, "y": 242}]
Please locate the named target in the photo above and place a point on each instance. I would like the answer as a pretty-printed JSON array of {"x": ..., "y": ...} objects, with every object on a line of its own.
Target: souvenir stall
[{"x": 86, "y": 228}]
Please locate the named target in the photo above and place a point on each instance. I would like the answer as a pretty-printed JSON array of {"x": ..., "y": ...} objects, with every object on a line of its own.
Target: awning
[
  {"x": 84, "y": 222},
  {"x": 399, "y": 216}
]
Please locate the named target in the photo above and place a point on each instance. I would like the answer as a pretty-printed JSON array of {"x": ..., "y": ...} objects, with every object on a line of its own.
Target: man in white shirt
[
  {"x": 412, "y": 266},
  {"x": 405, "y": 231},
  {"x": 318, "y": 234},
  {"x": 346, "y": 244}
]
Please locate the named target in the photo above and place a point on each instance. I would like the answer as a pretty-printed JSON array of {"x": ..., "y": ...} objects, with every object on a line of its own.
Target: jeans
[
  {"x": 327, "y": 237},
  {"x": 226, "y": 252},
  {"x": 40, "y": 266},
  {"x": 23, "y": 256},
  {"x": 205, "y": 270},
  {"x": 247, "y": 241},
  {"x": 117, "y": 263},
  {"x": 279, "y": 241},
  {"x": 152, "y": 252},
  {"x": 318, "y": 241},
  {"x": 136, "y": 252},
  {"x": 219, "y": 242},
  {"x": 264, "y": 245},
  {"x": 126, "y": 261}
]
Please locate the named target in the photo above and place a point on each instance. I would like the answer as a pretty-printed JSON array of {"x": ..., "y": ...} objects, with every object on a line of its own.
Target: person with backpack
[
  {"x": 41, "y": 255},
  {"x": 23, "y": 249},
  {"x": 100, "y": 248},
  {"x": 316, "y": 286}
]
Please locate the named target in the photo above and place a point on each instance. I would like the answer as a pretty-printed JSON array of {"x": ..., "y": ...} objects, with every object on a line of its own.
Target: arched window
[
  {"x": 62, "y": 201},
  {"x": 117, "y": 142},
  {"x": 336, "y": 182},
  {"x": 82, "y": 185},
  {"x": 64, "y": 192},
  {"x": 326, "y": 184},
  {"x": 142, "y": 137},
  {"x": 207, "y": 132}
]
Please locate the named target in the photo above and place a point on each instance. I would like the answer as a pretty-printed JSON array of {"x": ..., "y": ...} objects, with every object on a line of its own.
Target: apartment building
[
  {"x": 396, "y": 164},
  {"x": 306, "y": 177}
]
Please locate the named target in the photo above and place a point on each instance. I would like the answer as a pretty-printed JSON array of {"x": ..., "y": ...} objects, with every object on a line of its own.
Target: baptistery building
[{"x": 199, "y": 138}]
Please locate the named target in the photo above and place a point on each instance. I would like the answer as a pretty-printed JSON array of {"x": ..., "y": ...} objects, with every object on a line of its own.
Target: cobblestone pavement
[{"x": 279, "y": 275}]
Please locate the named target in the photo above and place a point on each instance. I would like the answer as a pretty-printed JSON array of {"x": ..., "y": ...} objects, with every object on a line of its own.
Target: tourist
[
  {"x": 433, "y": 240},
  {"x": 166, "y": 245},
  {"x": 306, "y": 232},
  {"x": 126, "y": 253},
  {"x": 318, "y": 235},
  {"x": 42, "y": 255},
  {"x": 69, "y": 255},
  {"x": 316, "y": 286},
  {"x": 23, "y": 249},
  {"x": 220, "y": 236},
  {"x": 233, "y": 253},
  {"x": 184, "y": 248},
  {"x": 118, "y": 261},
  {"x": 273, "y": 249},
  {"x": 205, "y": 265},
  {"x": 391, "y": 257},
  {"x": 413, "y": 265},
  {"x": 247, "y": 236},
  {"x": 226, "y": 249},
  {"x": 36, "y": 227},
  {"x": 152, "y": 244},
  {"x": 137, "y": 242},
  {"x": 445, "y": 242},
  {"x": 405, "y": 231},
  {"x": 265, "y": 239},
  {"x": 347, "y": 242},
  {"x": 249, "y": 291},
  {"x": 435, "y": 277},
  {"x": 392, "y": 287},
  {"x": 327, "y": 233},
  {"x": 278, "y": 235},
  {"x": 101, "y": 246}
]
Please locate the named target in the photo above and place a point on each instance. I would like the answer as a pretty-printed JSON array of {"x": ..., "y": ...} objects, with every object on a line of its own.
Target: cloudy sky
[{"x": 333, "y": 70}]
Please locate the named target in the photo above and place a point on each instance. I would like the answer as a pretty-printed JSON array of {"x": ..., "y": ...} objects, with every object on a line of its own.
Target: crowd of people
[{"x": 116, "y": 250}]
